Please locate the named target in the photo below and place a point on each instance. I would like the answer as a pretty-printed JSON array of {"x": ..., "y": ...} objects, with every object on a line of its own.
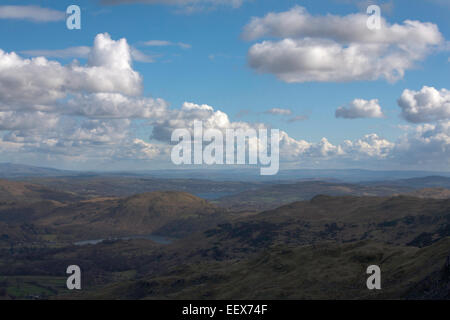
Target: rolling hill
[
  {"x": 431, "y": 193},
  {"x": 171, "y": 213},
  {"x": 272, "y": 196},
  {"x": 22, "y": 192}
]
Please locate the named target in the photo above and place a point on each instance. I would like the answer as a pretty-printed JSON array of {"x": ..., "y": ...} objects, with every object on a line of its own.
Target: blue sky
[{"x": 215, "y": 70}]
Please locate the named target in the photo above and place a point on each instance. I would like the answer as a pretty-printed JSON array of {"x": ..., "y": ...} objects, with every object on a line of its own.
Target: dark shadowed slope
[
  {"x": 323, "y": 271},
  {"x": 401, "y": 220}
]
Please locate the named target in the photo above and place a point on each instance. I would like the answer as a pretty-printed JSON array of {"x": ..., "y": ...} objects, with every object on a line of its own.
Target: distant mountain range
[
  {"x": 420, "y": 182},
  {"x": 237, "y": 195},
  {"x": 342, "y": 175},
  {"x": 13, "y": 171}
]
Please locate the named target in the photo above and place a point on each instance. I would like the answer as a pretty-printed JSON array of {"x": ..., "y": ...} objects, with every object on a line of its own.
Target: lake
[{"x": 155, "y": 238}]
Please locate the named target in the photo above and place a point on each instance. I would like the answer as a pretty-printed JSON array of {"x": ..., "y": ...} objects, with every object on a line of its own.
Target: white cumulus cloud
[
  {"x": 370, "y": 145},
  {"x": 87, "y": 114},
  {"x": 115, "y": 105},
  {"x": 12, "y": 120},
  {"x": 360, "y": 108},
  {"x": 38, "y": 83},
  {"x": 428, "y": 145},
  {"x": 427, "y": 105},
  {"x": 335, "y": 48},
  {"x": 82, "y": 52}
]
